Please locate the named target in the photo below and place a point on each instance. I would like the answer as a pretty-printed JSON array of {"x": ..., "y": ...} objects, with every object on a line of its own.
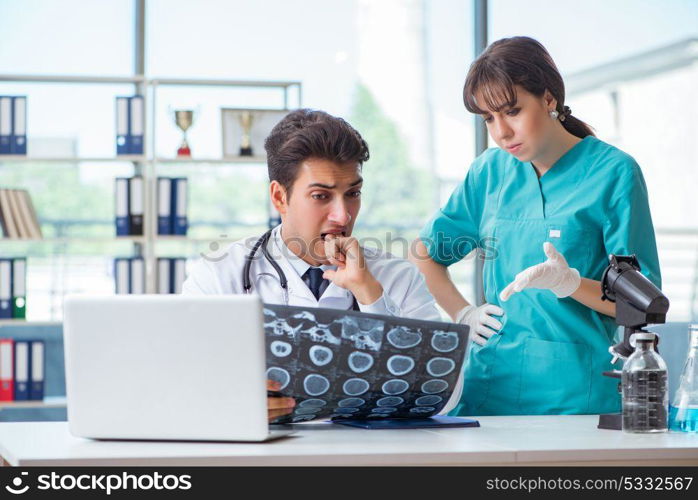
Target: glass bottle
[
  {"x": 683, "y": 412},
  {"x": 644, "y": 383}
]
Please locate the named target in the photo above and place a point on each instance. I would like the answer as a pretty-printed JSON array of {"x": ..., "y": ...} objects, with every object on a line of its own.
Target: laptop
[{"x": 166, "y": 367}]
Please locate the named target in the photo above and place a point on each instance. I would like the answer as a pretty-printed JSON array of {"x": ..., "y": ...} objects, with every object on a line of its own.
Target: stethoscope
[{"x": 247, "y": 284}]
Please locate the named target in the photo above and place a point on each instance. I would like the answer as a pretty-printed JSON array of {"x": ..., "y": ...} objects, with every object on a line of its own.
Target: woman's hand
[
  {"x": 554, "y": 274},
  {"x": 278, "y": 406},
  {"x": 479, "y": 319}
]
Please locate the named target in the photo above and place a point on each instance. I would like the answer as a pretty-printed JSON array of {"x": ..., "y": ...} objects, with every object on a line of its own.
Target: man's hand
[
  {"x": 278, "y": 406},
  {"x": 352, "y": 273}
]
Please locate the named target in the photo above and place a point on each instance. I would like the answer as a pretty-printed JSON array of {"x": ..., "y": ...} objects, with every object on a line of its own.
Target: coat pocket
[
  {"x": 476, "y": 378},
  {"x": 555, "y": 378}
]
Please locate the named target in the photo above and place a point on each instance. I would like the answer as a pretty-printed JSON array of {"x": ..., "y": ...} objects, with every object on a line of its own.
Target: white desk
[{"x": 549, "y": 440}]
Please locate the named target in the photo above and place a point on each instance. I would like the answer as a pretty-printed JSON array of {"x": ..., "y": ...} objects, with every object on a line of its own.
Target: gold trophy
[
  {"x": 184, "y": 118},
  {"x": 246, "y": 120}
]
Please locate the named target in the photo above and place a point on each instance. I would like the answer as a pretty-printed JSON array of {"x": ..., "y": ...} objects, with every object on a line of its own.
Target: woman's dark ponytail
[
  {"x": 573, "y": 125},
  {"x": 523, "y": 61}
]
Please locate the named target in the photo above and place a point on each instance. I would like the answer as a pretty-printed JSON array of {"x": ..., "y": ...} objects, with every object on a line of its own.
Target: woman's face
[{"x": 524, "y": 129}]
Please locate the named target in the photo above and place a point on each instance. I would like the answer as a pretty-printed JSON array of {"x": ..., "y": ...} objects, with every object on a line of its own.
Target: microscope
[{"x": 638, "y": 303}]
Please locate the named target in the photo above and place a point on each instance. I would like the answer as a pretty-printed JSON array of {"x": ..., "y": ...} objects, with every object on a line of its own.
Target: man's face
[{"x": 325, "y": 199}]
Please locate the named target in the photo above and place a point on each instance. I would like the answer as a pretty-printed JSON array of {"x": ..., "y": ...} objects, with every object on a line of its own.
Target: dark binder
[
  {"x": 135, "y": 205},
  {"x": 165, "y": 193},
  {"x": 121, "y": 217}
]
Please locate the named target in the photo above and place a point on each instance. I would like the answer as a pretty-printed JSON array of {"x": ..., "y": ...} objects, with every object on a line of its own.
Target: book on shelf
[
  {"x": 13, "y": 125},
  {"x": 13, "y": 286},
  {"x": 172, "y": 202},
  {"x": 170, "y": 274},
  {"x": 22, "y": 370},
  {"x": 129, "y": 275},
  {"x": 128, "y": 210},
  {"x": 18, "y": 219},
  {"x": 7, "y": 370},
  {"x": 37, "y": 369},
  {"x": 130, "y": 125}
]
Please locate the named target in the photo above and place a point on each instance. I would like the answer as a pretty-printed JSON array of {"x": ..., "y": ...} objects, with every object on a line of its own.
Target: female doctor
[{"x": 549, "y": 205}]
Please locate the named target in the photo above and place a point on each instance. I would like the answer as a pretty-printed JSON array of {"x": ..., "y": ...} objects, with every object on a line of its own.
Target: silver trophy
[
  {"x": 184, "y": 118},
  {"x": 246, "y": 119}
]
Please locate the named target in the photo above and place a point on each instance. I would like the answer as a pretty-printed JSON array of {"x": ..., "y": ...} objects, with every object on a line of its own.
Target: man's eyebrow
[{"x": 334, "y": 186}]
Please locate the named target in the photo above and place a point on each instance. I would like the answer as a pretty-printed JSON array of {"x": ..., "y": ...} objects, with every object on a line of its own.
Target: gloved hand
[
  {"x": 554, "y": 274},
  {"x": 482, "y": 324}
]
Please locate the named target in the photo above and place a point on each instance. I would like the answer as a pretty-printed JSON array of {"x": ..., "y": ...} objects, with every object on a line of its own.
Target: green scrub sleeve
[
  {"x": 453, "y": 231},
  {"x": 628, "y": 228}
]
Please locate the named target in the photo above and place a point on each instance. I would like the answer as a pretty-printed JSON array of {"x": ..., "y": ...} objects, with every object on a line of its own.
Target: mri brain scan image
[
  {"x": 359, "y": 362},
  {"x": 400, "y": 365},
  {"x": 350, "y": 365}
]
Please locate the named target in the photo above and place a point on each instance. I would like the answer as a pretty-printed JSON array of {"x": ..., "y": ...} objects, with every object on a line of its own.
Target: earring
[{"x": 554, "y": 114}]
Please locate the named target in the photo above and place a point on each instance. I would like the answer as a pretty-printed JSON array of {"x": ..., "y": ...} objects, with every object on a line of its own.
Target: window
[{"x": 635, "y": 82}]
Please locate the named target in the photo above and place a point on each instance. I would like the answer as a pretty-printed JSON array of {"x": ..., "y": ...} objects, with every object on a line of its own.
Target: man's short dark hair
[{"x": 307, "y": 133}]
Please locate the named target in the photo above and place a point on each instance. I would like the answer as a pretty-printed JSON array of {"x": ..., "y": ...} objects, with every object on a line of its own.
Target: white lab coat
[{"x": 405, "y": 293}]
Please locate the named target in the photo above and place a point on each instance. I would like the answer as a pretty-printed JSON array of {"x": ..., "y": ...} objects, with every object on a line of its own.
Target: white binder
[
  {"x": 164, "y": 276},
  {"x": 136, "y": 118},
  {"x": 179, "y": 274},
  {"x": 19, "y": 129},
  {"x": 6, "y": 288},
  {"x": 137, "y": 276},
  {"x": 122, "y": 139},
  {"x": 21, "y": 369},
  {"x": 122, "y": 271},
  {"x": 5, "y": 125}
]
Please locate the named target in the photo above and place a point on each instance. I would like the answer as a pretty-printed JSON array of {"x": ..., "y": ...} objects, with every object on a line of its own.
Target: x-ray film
[{"x": 350, "y": 365}]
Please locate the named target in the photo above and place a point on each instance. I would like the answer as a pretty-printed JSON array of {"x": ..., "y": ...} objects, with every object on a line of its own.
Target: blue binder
[
  {"x": 5, "y": 288},
  {"x": 179, "y": 206},
  {"x": 136, "y": 124},
  {"x": 165, "y": 219},
  {"x": 121, "y": 218},
  {"x": 5, "y": 125},
  {"x": 19, "y": 125},
  {"x": 22, "y": 369},
  {"x": 36, "y": 374},
  {"x": 122, "y": 123}
]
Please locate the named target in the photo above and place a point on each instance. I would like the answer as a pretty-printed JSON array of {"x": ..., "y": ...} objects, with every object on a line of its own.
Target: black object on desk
[
  {"x": 438, "y": 421},
  {"x": 638, "y": 303}
]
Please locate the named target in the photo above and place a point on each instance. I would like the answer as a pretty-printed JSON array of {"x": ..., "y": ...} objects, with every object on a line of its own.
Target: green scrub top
[{"x": 549, "y": 356}]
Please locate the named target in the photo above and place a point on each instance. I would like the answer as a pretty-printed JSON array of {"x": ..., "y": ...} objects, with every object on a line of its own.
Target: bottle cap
[{"x": 644, "y": 336}]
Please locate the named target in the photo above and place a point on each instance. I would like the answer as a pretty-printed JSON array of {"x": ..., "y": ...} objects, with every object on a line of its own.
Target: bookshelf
[
  {"x": 149, "y": 165},
  {"x": 48, "y": 402}
]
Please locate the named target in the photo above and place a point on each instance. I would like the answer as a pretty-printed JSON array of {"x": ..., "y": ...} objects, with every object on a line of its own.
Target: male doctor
[{"x": 315, "y": 162}]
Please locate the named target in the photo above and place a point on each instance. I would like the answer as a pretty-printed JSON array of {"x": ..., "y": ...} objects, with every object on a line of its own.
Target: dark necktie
[{"x": 313, "y": 278}]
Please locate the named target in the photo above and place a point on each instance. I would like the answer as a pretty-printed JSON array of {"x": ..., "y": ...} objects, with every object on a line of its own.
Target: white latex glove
[
  {"x": 482, "y": 325},
  {"x": 554, "y": 274}
]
